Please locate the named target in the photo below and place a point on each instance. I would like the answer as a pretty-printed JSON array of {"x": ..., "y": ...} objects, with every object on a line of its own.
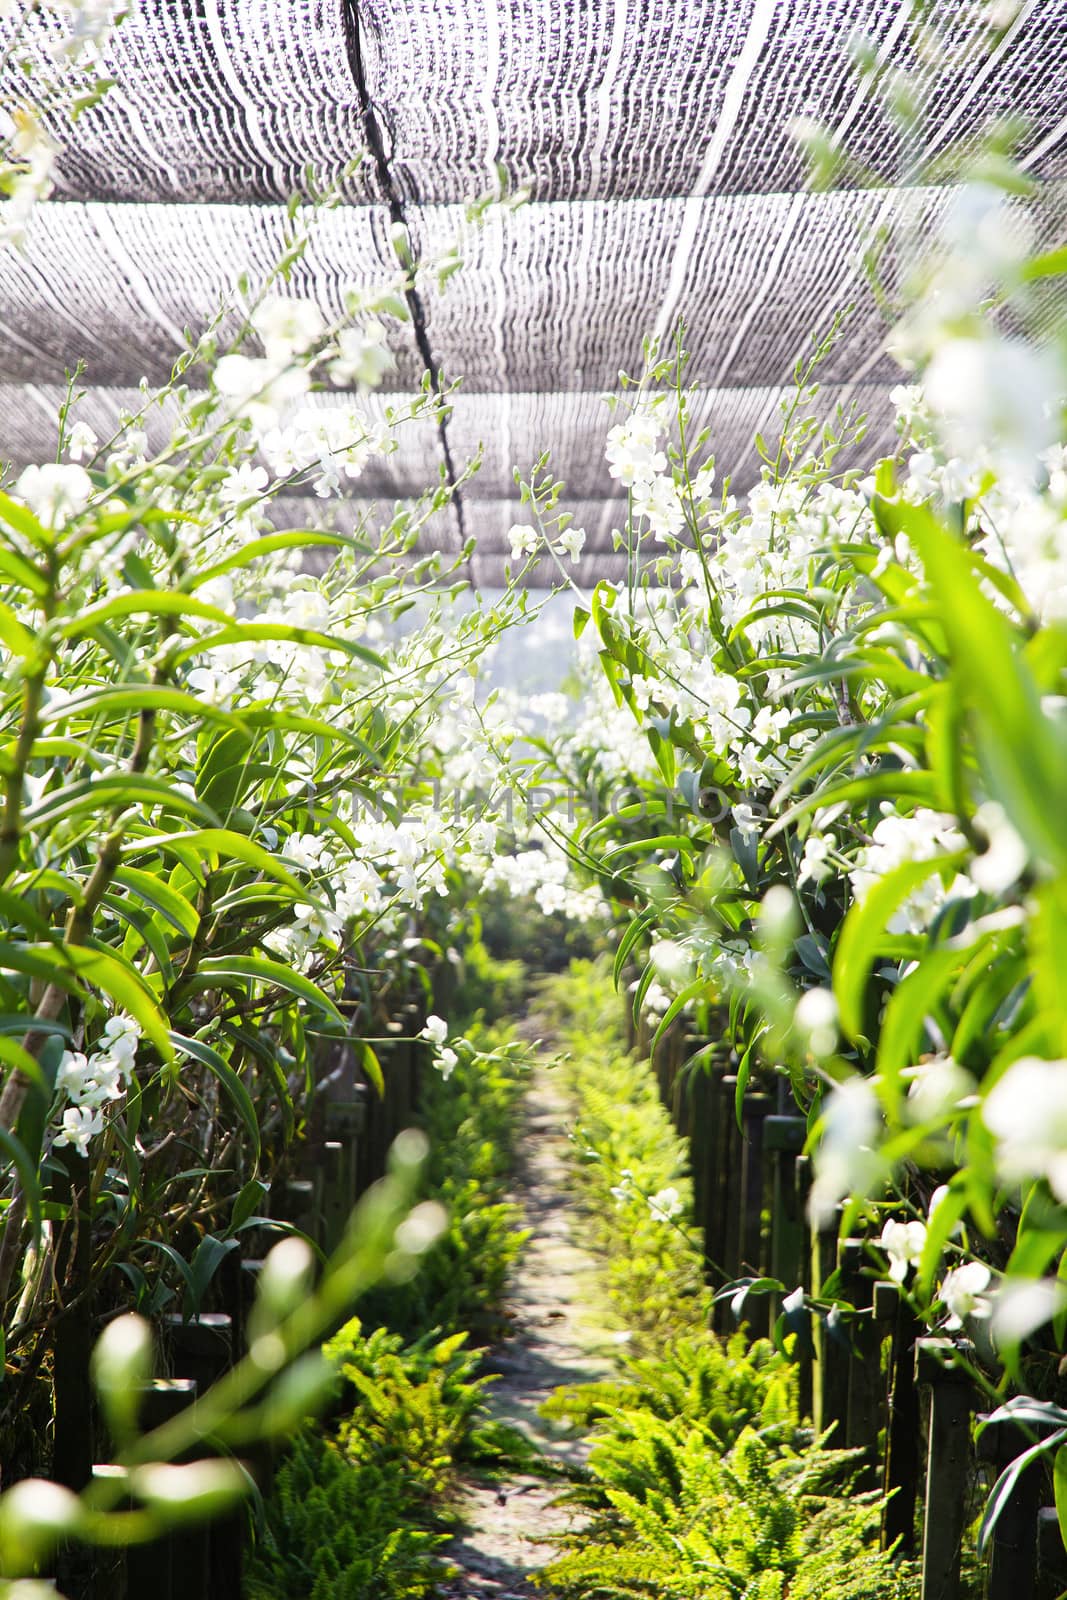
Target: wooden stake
[
  {"x": 203, "y": 1351},
  {"x": 831, "y": 1369},
  {"x": 753, "y": 1176},
  {"x": 900, "y": 1482},
  {"x": 177, "y": 1565},
  {"x": 783, "y": 1140},
  {"x": 1013, "y": 1546},
  {"x": 948, "y": 1466}
]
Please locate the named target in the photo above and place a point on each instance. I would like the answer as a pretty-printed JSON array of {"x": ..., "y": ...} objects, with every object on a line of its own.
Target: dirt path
[{"x": 556, "y": 1340}]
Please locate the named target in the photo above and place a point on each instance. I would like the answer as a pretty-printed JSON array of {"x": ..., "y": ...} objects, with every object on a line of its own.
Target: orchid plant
[
  {"x": 220, "y": 849},
  {"x": 836, "y": 706}
]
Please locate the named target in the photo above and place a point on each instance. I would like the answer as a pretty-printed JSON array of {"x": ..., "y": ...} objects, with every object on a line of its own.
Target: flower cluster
[
  {"x": 55, "y": 492},
  {"x": 923, "y": 835},
  {"x": 637, "y": 462},
  {"x": 296, "y": 340},
  {"x": 543, "y": 872},
  {"x": 26, "y": 177},
  {"x": 87, "y": 1083},
  {"x": 567, "y": 543},
  {"x": 666, "y": 1204},
  {"x": 1026, "y": 1112},
  {"x": 435, "y": 1032},
  {"x": 75, "y": 29},
  {"x": 329, "y": 442},
  {"x": 57, "y": 44}
]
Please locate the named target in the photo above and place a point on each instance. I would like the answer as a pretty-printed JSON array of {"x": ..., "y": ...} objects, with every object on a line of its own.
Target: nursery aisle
[{"x": 552, "y": 1303}]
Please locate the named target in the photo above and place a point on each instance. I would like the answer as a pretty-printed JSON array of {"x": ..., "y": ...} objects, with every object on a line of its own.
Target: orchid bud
[
  {"x": 400, "y": 240},
  {"x": 284, "y": 1281},
  {"x": 299, "y": 1392},
  {"x": 409, "y": 1150},
  {"x": 420, "y": 1229},
  {"x": 35, "y": 1515},
  {"x": 777, "y": 915},
  {"x": 193, "y": 1492},
  {"x": 122, "y": 1363}
]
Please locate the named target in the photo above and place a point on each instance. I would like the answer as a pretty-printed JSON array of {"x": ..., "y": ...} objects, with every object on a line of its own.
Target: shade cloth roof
[{"x": 655, "y": 139}]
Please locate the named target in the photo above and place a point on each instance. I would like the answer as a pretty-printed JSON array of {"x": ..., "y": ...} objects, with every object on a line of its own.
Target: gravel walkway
[{"x": 555, "y": 1341}]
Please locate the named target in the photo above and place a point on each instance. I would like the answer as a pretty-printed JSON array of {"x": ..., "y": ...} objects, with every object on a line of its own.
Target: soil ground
[{"x": 553, "y": 1307}]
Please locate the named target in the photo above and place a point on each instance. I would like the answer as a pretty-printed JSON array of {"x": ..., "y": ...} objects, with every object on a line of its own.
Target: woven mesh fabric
[
  {"x": 654, "y": 137},
  {"x": 231, "y": 99}
]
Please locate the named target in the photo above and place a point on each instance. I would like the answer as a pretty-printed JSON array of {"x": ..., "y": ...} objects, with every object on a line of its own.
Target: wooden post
[
  {"x": 232, "y": 1285},
  {"x": 695, "y": 1079},
  {"x": 948, "y": 1466},
  {"x": 1013, "y": 1546},
  {"x": 200, "y": 1350},
  {"x": 642, "y": 1036},
  {"x": 802, "y": 1176},
  {"x": 866, "y": 1391},
  {"x": 711, "y": 1215},
  {"x": 718, "y": 1238},
  {"x": 363, "y": 1096},
  {"x": 109, "y": 1566},
  {"x": 1051, "y": 1556},
  {"x": 671, "y": 1044},
  {"x": 417, "y": 1060},
  {"x": 248, "y": 1284},
  {"x": 443, "y": 986},
  {"x": 72, "y": 1391},
  {"x": 831, "y": 1367},
  {"x": 404, "y": 1077},
  {"x": 403, "y": 1086},
  {"x": 163, "y": 1399},
  {"x": 336, "y": 1205},
  {"x": 783, "y": 1140},
  {"x": 900, "y": 1482},
  {"x": 681, "y": 1103},
  {"x": 754, "y": 1114},
  {"x": 374, "y": 1138},
  {"x": 629, "y": 1026},
  {"x": 177, "y": 1564},
  {"x": 697, "y": 1090},
  {"x": 654, "y": 1055},
  {"x": 203, "y": 1351},
  {"x": 751, "y": 1257},
  {"x": 345, "y": 1120},
  {"x": 72, "y": 1451},
  {"x": 387, "y": 1105},
  {"x": 732, "y": 1177},
  {"x": 296, "y": 1201}
]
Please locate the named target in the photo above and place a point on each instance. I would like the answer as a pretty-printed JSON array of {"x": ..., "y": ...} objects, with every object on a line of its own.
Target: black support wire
[{"x": 395, "y": 206}]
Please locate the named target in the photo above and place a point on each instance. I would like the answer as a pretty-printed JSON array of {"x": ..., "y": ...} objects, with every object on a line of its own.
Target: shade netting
[{"x": 656, "y": 139}]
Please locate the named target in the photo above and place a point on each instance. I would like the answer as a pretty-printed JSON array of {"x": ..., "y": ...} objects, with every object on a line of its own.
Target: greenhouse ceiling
[{"x": 656, "y": 140}]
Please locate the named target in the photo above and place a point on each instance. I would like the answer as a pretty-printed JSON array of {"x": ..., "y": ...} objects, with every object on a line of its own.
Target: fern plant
[
  {"x": 717, "y": 1389},
  {"x": 471, "y": 1123},
  {"x": 357, "y": 1512},
  {"x": 671, "y": 1518},
  {"x": 413, "y": 1407},
  {"x": 629, "y": 1155},
  {"x": 332, "y": 1531},
  {"x": 702, "y": 1482}
]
